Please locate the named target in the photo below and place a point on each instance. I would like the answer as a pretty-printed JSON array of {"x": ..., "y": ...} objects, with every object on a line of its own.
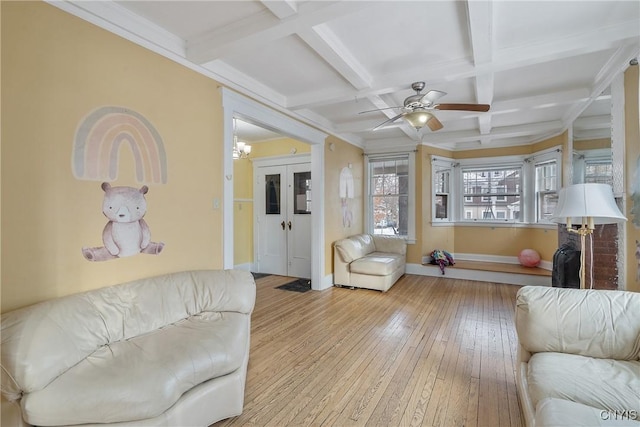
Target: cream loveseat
[
  {"x": 170, "y": 350},
  {"x": 369, "y": 261},
  {"x": 579, "y": 356}
]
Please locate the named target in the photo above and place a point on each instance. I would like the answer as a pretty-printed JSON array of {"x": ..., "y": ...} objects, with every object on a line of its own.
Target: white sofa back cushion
[
  {"x": 390, "y": 244},
  {"x": 69, "y": 329},
  {"x": 355, "y": 247},
  {"x": 594, "y": 323}
]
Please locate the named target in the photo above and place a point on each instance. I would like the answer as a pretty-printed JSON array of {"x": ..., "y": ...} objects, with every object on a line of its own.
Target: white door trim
[{"x": 240, "y": 106}]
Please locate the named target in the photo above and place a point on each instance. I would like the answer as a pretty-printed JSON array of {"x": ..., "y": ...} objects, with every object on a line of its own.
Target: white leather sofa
[
  {"x": 170, "y": 350},
  {"x": 578, "y": 357},
  {"x": 369, "y": 261}
]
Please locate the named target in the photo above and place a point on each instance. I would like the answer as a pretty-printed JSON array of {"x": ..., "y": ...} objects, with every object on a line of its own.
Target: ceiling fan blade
[
  {"x": 392, "y": 119},
  {"x": 463, "y": 107},
  {"x": 434, "y": 124},
  {"x": 431, "y": 96},
  {"x": 377, "y": 109}
]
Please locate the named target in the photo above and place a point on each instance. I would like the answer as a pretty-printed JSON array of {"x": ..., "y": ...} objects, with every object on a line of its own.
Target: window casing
[{"x": 390, "y": 195}]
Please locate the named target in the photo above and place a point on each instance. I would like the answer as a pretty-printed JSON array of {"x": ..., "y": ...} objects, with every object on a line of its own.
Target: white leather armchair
[{"x": 369, "y": 261}]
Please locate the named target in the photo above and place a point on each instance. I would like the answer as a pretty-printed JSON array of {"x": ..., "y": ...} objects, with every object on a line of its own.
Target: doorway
[
  {"x": 282, "y": 237},
  {"x": 236, "y": 105}
]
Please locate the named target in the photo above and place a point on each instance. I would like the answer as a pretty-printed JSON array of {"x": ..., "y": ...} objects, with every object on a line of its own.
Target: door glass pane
[
  {"x": 272, "y": 195},
  {"x": 302, "y": 192}
]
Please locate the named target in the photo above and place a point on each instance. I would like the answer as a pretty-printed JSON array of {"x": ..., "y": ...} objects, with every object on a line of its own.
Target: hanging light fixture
[
  {"x": 241, "y": 150},
  {"x": 417, "y": 118}
]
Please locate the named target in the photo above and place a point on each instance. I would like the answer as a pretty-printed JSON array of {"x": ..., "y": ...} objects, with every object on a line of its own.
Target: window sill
[{"x": 493, "y": 224}]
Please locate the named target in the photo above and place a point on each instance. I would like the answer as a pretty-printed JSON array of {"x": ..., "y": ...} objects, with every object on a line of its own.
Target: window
[
  {"x": 546, "y": 189},
  {"x": 441, "y": 183},
  {"x": 504, "y": 189},
  {"x": 490, "y": 193},
  {"x": 598, "y": 171},
  {"x": 390, "y": 195}
]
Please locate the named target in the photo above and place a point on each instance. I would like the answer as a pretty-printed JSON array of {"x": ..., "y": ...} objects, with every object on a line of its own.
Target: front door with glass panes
[{"x": 283, "y": 220}]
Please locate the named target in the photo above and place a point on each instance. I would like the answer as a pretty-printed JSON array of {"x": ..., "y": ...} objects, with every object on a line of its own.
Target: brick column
[{"x": 605, "y": 250}]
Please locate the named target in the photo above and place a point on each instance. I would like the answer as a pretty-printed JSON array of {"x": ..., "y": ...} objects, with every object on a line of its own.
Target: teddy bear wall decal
[{"x": 126, "y": 232}]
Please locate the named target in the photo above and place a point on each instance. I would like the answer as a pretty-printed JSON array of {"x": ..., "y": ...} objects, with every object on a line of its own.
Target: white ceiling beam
[
  {"x": 262, "y": 29},
  {"x": 244, "y": 82},
  {"x": 481, "y": 33},
  {"x": 326, "y": 44},
  {"x": 281, "y": 8},
  {"x": 497, "y": 133},
  {"x": 592, "y": 122},
  {"x": 617, "y": 64}
]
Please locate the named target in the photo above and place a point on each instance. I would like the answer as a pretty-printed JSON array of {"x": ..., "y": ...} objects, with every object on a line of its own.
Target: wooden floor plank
[{"x": 430, "y": 351}]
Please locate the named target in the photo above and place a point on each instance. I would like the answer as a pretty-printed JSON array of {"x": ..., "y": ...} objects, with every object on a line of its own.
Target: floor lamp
[{"x": 586, "y": 205}]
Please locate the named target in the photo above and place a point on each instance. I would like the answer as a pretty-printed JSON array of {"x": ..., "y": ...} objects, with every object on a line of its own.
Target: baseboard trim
[
  {"x": 327, "y": 282},
  {"x": 478, "y": 275}
]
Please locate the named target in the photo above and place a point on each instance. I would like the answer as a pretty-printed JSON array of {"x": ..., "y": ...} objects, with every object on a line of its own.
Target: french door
[{"x": 282, "y": 237}]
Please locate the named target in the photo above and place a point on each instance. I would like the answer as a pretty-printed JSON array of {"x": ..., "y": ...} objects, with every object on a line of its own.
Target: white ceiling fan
[{"x": 417, "y": 109}]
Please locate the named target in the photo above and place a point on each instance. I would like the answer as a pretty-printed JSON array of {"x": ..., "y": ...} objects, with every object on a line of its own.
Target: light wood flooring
[{"x": 431, "y": 351}]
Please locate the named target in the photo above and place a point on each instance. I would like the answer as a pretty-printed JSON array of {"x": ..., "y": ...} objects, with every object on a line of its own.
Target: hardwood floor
[{"x": 431, "y": 351}]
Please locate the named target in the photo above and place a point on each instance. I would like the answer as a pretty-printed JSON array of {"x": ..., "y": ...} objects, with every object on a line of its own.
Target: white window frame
[
  {"x": 411, "y": 192},
  {"x": 439, "y": 165}
]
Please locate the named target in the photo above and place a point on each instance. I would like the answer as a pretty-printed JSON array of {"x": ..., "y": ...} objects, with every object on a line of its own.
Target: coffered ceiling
[{"x": 539, "y": 64}]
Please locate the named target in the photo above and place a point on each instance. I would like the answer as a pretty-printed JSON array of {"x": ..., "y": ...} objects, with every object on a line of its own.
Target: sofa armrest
[
  {"x": 391, "y": 244},
  {"x": 594, "y": 323}
]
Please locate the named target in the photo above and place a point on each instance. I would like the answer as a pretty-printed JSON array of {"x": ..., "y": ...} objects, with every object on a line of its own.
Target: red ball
[{"x": 529, "y": 258}]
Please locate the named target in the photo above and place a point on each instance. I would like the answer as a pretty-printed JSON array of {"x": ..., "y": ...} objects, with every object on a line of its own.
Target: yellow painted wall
[
  {"x": 632, "y": 170},
  {"x": 243, "y": 211},
  {"x": 56, "y": 68},
  {"x": 243, "y": 192},
  {"x": 592, "y": 144},
  {"x": 340, "y": 157}
]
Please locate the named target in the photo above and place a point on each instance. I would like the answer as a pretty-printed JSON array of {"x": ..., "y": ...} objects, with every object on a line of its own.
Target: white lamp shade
[
  {"x": 417, "y": 118},
  {"x": 594, "y": 201}
]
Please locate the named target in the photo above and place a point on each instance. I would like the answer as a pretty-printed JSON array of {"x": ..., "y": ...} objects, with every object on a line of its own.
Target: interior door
[
  {"x": 299, "y": 220},
  {"x": 272, "y": 213},
  {"x": 283, "y": 220}
]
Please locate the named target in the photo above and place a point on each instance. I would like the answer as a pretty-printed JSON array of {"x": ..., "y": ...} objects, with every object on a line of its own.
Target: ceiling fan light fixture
[{"x": 418, "y": 118}]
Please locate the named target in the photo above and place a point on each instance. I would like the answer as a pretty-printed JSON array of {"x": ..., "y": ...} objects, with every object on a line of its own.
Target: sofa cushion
[
  {"x": 355, "y": 247},
  {"x": 553, "y": 412},
  {"x": 377, "y": 264},
  {"x": 392, "y": 244},
  {"x": 602, "y": 383},
  {"x": 595, "y": 323},
  {"x": 143, "y": 376}
]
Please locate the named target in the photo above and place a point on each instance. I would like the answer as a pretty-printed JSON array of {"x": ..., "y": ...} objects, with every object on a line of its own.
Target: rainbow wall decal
[{"x": 98, "y": 140}]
